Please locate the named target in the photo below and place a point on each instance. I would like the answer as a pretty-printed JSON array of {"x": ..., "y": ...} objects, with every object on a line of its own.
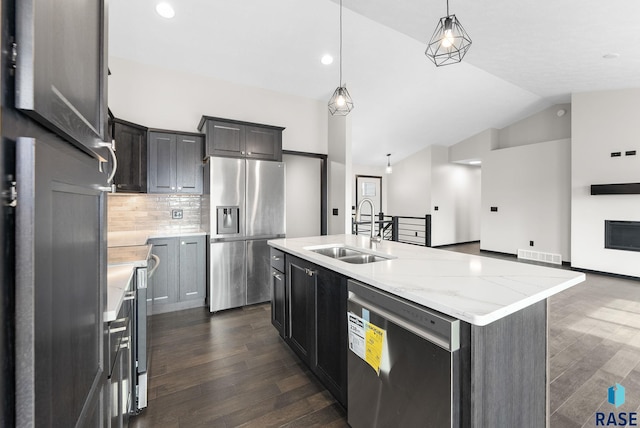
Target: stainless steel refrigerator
[{"x": 244, "y": 206}]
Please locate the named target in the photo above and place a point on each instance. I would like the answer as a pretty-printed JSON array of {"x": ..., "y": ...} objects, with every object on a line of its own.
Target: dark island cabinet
[
  {"x": 300, "y": 291},
  {"x": 175, "y": 162},
  {"x": 278, "y": 291},
  {"x": 233, "y": 138},
  {"x": 331, "y": 332},
  {"x": 130, "y": 141},
  {"x": 179, "y": 282},
  {"x": 317, "y": 322}
]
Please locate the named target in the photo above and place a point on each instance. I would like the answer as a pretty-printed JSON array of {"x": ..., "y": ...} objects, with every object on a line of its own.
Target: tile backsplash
[{"x": 153, "y": 212}]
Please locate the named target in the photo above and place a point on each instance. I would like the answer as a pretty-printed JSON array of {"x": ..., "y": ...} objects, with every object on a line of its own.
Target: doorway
[
  {"x": 306, "y": 193},
  {"x": 370, "y": 187}
]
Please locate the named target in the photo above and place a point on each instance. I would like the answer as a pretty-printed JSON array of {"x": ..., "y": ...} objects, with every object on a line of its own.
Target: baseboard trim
[{"x": 457, "y": 243}]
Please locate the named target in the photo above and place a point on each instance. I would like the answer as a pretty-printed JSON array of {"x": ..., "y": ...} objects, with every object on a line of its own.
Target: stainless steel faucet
[{"x": 374, "y": 239}]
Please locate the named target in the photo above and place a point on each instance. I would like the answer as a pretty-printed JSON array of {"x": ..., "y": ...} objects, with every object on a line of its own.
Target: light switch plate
[{"x": 176, "y": 214}]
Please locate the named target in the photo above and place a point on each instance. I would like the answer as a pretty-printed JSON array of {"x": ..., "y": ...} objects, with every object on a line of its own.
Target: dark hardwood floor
[{"x": 230, "y": 369}]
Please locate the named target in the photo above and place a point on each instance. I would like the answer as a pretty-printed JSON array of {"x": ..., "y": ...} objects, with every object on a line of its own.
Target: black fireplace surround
[{"x": 622, "y": 235}]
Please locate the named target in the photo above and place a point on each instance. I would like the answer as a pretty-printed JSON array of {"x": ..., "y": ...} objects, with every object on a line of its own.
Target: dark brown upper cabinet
[
  {"x": 175, "y": 162},
  {"x": 130, "y": 142},
  {"x": 61, "y": 68},
  {"x": 234, "y": 138}
]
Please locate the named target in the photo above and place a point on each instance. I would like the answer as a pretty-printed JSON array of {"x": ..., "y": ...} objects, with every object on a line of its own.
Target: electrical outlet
[
  {"x": 616, "y": 154},
  {"x": 176, "y": 214},
  {"x": 494, "y": 209},
  {"x": 531, "y": 243},
  {"x": 630, "y": 153},
  {"x": 335, "y": 211}
]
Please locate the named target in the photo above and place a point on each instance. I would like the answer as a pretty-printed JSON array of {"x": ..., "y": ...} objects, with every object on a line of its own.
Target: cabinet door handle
[
  {"x": 277, "y": 276},
  {"x": 241, "y": 153},
  {"x": 117, "y": 329},
  {"x": 111, "y": 148},
  {"x": 276, "y": 258},
  {"x": 309, "y": 272},
  {"x": 179, "y": 187},
  {"x": 156, "y": 259},
  {"x": 249, "y": 153},
  {"x": 131, "y": 295},
  {"x": 173, "y": 188}
]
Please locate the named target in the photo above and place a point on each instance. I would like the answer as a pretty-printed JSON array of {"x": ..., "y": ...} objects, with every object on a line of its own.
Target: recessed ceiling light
[
  {"x": 611, "y": 56},
  {"x": 165, "y": 10},
  {"x": 326, "y": 59}
]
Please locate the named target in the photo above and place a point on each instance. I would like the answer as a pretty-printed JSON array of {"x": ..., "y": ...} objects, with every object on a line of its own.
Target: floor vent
[{"x": 540, "y": 256}]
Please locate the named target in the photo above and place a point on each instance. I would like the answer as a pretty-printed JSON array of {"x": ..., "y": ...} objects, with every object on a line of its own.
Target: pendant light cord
[
  {"x": 447, "y": 7},
  {"x": 340, "y": 83}
]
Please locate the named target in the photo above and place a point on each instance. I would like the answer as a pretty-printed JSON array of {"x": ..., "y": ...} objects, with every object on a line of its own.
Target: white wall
[
  {"x": 340, "y": 174},
  {"x": 409, "y": 187},
  {"x": 455, "y": 190},
  {"x": 427, "y": 179},
  {"x": 545, "y": 125},
  {"x": 474, "y": 147},
  {"x": 530, "y": 185},
  {"x": 166, "y": 99},
  {"x": 603, "y": 122},
  {"x": 302, "y": 195}
]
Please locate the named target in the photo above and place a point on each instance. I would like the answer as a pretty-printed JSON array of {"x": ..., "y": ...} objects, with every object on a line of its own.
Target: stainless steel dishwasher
[{"x": 403, "y": 362}]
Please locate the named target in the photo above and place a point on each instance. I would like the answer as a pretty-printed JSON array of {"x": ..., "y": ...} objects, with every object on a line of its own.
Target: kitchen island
[{"x": 501, "y": 370}]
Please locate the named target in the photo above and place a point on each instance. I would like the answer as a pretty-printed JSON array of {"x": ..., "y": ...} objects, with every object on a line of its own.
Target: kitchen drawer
[{"x": 277, "y": 260}]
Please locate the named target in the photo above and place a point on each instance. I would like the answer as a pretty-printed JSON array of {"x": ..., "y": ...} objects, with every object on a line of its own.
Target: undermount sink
[
  {"x": 362, "y": 258},
  {"x": 337, "y": 252},
  {"x": 348, "y": 255}
]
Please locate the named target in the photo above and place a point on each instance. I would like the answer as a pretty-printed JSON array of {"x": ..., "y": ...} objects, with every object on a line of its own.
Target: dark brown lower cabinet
[
  {"x": 317, "y": 322},
  {"x": 60, "y": 285},
  {"x": 180, "y": 280}
]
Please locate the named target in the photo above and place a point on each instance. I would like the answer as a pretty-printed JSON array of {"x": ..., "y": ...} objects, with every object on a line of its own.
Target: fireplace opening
[{"x": 622, "y": 235}]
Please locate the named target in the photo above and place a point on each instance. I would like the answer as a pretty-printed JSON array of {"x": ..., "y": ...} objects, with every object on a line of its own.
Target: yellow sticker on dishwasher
[{"x": 374, "y": 337}]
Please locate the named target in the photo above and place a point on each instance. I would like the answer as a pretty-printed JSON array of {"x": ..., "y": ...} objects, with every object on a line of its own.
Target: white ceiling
[{"x": 526, "y": 55}]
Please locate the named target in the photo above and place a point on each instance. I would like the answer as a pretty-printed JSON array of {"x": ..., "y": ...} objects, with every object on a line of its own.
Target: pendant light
[
  {"x": 340, "y": 103},
  {"x": 389, "y": 169},
  {"x": 449, "y": 43}
]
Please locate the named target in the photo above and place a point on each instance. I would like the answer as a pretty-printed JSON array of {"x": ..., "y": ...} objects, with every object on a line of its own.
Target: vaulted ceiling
[{"x": 526, "y": 55}]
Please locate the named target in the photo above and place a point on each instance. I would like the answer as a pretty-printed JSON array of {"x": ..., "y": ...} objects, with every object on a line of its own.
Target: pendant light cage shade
[
  {"x": 449, "y": 43},
  {"x": 340, "y": 103}
]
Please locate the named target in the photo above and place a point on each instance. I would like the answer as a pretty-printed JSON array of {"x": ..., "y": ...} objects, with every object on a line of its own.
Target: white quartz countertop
[
  {"x": 118, "y": 283},
  {"x": 140, "y": 237},
  {"x": 475, "y": 289}
]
